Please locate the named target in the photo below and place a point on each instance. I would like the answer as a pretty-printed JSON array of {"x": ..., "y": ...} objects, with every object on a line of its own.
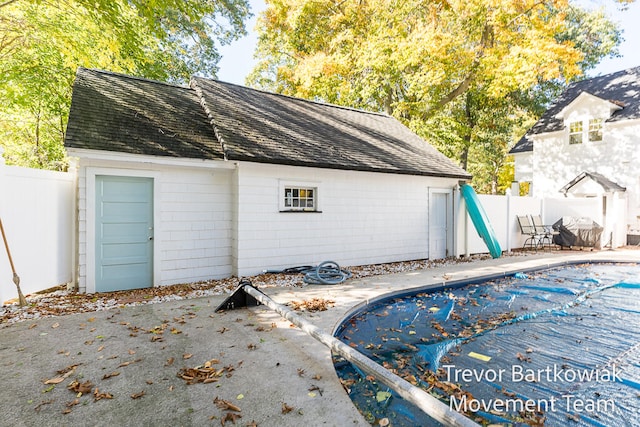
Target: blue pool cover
[{"x": 555, "y": 347}]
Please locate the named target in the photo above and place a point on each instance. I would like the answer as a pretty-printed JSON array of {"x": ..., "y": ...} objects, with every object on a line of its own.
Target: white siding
[
  {"x": 192, "y": 221},
  {"x": 523, "y": 165},
  {"x": 366, "y": 218},
  {"x": 195, "y": 225}
]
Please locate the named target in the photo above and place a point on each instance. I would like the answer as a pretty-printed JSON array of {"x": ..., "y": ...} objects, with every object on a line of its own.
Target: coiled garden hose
[{"x": 326, "y": 273}]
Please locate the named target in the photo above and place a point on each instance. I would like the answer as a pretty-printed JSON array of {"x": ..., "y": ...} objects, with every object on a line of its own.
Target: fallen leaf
[
  {"x": 286, "y": 408},
  {"x": 208, "y": 363},
  {"x": 72, "y": 403},
  {"x": 123, "y": 364},
  {"x": 33, "y": 326},
  {"x": 225, "y": 405},
  {"x": 97, "y": 395},
  {"x": 111, "y": 375},
  {"x": 56, "y": 380},
  {"x": 137, "y": 395},
  {"x": 41, "y": 404},
  {"x": 381, "y": 396},
  {"x": 187, "y": 356},
  {"x": 230, "y": 416},
  {"x": 169, "y": 361},
  {"x": 80, "y": 388},
  {"x": 55, "y": 325}
]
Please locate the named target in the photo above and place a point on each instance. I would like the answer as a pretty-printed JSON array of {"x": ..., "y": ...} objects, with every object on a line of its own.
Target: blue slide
[{"x": 480, "y": 220}]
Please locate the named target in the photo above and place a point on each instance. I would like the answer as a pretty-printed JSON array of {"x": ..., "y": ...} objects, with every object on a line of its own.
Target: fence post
[
  {"x": 508, "y": 221},
  {"x": 2, "y": 172}
]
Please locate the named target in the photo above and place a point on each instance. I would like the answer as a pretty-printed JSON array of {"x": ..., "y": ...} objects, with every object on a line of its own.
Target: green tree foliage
[
  {"x": 468, "y": 75},
  {"x": 42, "y": 43}
]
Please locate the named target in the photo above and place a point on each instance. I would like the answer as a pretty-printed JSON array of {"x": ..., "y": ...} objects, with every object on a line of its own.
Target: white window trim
[
  {"x": 581, "y": 132},
  {"x": 586, "y": 132},
  {"x": 588, "y": 123},
  {"x": 282, "y": 184}
]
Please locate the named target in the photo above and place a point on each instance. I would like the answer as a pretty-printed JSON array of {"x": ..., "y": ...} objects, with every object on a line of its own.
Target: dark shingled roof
[
  {"x": 120, "y": 113},
  {"x": 621, "y": 88},
  {"x": 603, "y": 181}
]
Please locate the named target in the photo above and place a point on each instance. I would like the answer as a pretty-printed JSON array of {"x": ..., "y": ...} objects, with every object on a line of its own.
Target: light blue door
[{"x": 124, "y": 233}]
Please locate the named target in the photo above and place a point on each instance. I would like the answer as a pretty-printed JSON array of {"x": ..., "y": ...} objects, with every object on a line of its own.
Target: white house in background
[
  {"x": 587, "y": 144},
  {"x": 181, "y": 184}
]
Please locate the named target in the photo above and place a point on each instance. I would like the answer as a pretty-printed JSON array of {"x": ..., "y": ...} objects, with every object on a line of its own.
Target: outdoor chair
[
  {"x": 528, "y": 229},
  {"x": 546, "y": 232}
]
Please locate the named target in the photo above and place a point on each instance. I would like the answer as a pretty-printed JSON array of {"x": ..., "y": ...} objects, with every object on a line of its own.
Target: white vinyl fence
[
  {"x": 503, "y": 211},
  {"x": 37, "y": 211}
]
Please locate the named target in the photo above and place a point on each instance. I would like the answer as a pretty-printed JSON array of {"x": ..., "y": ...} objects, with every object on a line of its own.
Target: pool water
[{"x": 554, "y": 347}]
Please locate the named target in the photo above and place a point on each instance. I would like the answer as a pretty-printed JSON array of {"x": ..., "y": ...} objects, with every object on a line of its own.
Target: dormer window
[
  {"x": 595, "y": 130},
  {"x": 591, "y": 129},
  {"x": 575, "y": 133}
]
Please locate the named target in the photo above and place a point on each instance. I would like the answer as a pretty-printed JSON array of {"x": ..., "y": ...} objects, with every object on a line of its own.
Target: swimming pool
[{"x": 547, "y": 347}]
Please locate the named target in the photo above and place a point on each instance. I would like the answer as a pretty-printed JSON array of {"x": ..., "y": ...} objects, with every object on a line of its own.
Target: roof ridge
[
  {"x": 294, "y": 98},
  {"x": 193, "y": 84},
  {"x": 130, "y": 77}
]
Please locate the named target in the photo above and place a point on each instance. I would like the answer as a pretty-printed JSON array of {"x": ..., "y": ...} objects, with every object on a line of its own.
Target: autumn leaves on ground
[{"x": 177, "y": 363}]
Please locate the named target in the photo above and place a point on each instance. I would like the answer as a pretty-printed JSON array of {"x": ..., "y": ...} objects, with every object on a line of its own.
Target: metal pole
[{"x": 431, "y": 406}]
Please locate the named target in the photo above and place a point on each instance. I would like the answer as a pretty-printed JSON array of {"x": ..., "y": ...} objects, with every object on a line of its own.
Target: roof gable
[
  {"x": 621, "y": 89},
  {"x": 591, "y": 183},
  {"x": 586, "y": 101},
  {"x": 265, "y": 127},
  {"x": 113, "y": 112}
]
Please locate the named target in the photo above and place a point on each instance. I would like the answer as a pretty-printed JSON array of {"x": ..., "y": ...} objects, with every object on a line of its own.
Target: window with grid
[
  {"x": 300, "y": 198},
  {"x": 575, "y": 133},
  {"x": 595, "y": 130}
]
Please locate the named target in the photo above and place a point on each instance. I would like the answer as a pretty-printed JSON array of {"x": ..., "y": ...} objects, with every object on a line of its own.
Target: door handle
[{"x": 151, "y": 238}]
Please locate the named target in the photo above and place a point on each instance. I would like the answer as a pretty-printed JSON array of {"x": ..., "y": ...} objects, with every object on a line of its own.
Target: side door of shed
[
  {"x": 124, "y": 233},
  {"x": 439, "y": 223}
]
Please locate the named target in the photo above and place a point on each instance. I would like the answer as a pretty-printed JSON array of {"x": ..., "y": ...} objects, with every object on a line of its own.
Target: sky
[{"x": 237, "y": 58}]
